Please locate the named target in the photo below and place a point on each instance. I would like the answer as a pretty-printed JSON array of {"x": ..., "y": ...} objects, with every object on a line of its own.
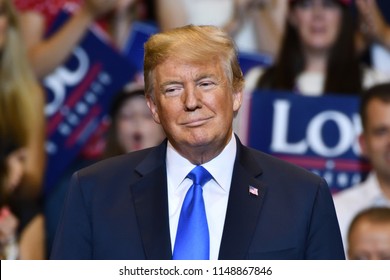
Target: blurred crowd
[{"x": 318, "y": 47}]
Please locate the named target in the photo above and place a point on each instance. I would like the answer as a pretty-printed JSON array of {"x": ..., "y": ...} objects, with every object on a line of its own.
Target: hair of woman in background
[
  {"x": 21, "y": 96},
  {"x": 22, "y": 234}
]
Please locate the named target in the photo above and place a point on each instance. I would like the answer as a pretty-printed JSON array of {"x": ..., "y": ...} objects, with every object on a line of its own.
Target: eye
[
  {"x": 381, "y": 131},
  {"x": 172, "y": 90},
  {"x": 207, "y": 84}
]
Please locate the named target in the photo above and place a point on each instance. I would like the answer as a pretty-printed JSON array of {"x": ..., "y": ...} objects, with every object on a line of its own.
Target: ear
[
  {"x": 237, "y": 100},
  {"x": 153, "y": 108},
  {"x": 363, "y": 145}
]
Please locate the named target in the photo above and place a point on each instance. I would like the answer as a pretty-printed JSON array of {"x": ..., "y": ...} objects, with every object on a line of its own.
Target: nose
[{"x": 191, "y": 98}]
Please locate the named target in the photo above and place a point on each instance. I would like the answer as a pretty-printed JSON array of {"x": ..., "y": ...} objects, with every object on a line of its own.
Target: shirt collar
[{"x": 220, "y": 167}]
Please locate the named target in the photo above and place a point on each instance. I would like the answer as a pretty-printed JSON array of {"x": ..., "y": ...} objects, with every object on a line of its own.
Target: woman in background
[
  {"x": 22, "y": 156},
  {"x": 132, "y": 126},
  {"x": 318, "y": 53},
  {"x": 22, "y": 97},
  {"x": 22, "y": 233}
]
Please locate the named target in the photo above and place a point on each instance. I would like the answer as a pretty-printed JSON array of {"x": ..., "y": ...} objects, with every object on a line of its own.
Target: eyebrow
[
  {"x": 197, "y": 79},
  {"x": 205, "y": 76}
]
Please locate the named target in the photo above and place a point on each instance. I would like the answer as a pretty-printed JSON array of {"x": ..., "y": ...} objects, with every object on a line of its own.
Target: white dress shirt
[
  {"x": 350, "y": 202},
  {"x": 215, "y": 192}
]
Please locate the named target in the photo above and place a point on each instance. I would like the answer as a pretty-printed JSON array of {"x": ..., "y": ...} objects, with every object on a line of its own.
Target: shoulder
[
  {"x": 111, "y": 178},
  {"x": 115, "y": 166},
  {"x": 281, "y": 171},
  {"x": 355, "y": 195},
  {"x": 372, "y": 77},
  {"x": 287, "y": 184}
]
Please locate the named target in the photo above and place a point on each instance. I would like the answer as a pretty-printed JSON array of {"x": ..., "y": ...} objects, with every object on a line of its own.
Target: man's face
[
  {"x": 375, "y": 141},
  {"x": 195, "y": 105}
]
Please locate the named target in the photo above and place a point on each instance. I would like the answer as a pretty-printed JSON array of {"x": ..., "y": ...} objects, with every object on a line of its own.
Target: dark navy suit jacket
[{"x": 118, "y": 209}]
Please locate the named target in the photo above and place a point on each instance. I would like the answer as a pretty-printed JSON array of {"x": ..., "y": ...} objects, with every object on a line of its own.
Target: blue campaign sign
[
  {"x": 317, "y": 133},
  {"x": 78, "y": 96},
  {"x": 134, "y": 48},
  {"x": 249, "y": 60}
]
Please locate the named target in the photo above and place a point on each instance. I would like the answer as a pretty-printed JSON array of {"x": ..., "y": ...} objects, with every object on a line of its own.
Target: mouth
[
  {"x": 137, "y": 137},
  {"x": 196, "y": 122}
]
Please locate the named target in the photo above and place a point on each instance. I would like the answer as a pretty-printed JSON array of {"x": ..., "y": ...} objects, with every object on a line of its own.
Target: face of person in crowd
[
  {"x": 15, "y": 163},
  {"x": 317, "y": 23},
  {"x": 195, "y": 104},
  {"x": 375, "y": 141},
  {"x": 136, "y": 128},
  {"x": 370, "y": 241},
  {"x": 3, "y": 24}
]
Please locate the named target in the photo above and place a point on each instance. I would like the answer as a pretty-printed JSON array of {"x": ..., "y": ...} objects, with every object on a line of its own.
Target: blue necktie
[{"x": 192, "y": 237}]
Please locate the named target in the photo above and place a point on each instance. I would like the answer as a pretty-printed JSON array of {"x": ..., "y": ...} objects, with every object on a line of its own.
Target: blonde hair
[
  {"x": 192, "y": 44},
  {"x": 21, "y": 97}
]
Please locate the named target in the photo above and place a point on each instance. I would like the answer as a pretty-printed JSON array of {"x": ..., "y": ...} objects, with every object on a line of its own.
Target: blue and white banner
[
  {"x": 317, "y": 133},
  {"x": 250, "y": 60},
  {"x": 78, "y": 95},
  {"x": 134, "y": 48}
]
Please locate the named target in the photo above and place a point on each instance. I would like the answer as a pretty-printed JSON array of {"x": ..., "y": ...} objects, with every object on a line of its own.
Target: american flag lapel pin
[{"x": 253, "y": 191}]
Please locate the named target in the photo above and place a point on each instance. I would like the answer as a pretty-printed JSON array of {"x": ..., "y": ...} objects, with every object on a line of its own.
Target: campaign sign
[
  {"x": 317, "y": 133},
  {"x": 78, "y": 95},
  {"x": 249, "y": 60},
  {"x": 134, "y": 48}
]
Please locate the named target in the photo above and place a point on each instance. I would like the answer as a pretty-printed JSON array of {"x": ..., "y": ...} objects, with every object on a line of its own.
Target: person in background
[
  {"x": 126, "y": 12},
  {"x": 23, "y": 96},
  {"x": 369, "y": 235},
  {"x": 255, "y": 25},
  {"x": 375, "y": 146},
  {"x": 47, "y": 53},
  {"x": 132, "y": 126},
  {"x": 22, "y": 234},
  {"x": 372, "y": 23},
  {"x": 318, "y": 53},
  {"x": 317, "y": 56},
  {"x": 374, "y": 33},
  {"x": 138, "y": 205}
]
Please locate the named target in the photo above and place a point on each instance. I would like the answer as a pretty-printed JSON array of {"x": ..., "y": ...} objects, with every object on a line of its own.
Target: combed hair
[{"x": 193, "y": 44}]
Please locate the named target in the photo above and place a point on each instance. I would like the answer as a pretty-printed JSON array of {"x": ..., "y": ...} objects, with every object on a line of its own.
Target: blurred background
[{"x": 71, "y": 94}]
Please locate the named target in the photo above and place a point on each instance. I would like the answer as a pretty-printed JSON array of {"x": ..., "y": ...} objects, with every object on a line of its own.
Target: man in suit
[{"x": 251, "y": 206}]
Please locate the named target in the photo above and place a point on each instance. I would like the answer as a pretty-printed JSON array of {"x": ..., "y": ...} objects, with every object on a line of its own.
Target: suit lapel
[
  {"x": 243, "y": 206},
  {"x": 151, "y": 205}
]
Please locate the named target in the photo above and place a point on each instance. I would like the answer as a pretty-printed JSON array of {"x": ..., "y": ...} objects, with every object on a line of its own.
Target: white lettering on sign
[
  {"x": 348, "y": 129},
  {"x": 62, "y": 77}
]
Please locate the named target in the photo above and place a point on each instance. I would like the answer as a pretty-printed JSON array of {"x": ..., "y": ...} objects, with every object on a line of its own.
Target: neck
[
  {"x": 316, "y": 61},
  {"x": 201, "y": 154}
]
